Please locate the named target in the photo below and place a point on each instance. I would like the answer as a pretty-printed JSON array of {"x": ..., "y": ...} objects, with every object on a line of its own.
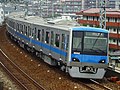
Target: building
[
  {"x": 114, "y": 4},
  {"x": 1, "y": 14},
  {"x": 5, "y": 10},
  {"x": 90, "y": 17}
]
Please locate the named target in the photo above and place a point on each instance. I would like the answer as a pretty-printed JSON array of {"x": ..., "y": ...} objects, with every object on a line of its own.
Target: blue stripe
[{"x": 56, "y": 50}]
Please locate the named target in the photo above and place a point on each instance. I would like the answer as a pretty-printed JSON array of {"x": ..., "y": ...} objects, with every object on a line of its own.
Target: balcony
[
  {"x": 113, "y": 35},
  {"x": 113, "y": 46}
]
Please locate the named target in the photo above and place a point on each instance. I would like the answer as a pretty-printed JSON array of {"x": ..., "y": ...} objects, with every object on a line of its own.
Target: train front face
[{"x": 89, "y": 53}]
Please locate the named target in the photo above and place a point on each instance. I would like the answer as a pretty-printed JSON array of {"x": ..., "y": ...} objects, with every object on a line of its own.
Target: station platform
[
  {"x": 116, "y": 69},
  {"x": 113, "y": 72}
]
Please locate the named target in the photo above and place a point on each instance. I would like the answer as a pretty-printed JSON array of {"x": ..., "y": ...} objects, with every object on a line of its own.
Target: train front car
[{"x": 89, "y": 53}]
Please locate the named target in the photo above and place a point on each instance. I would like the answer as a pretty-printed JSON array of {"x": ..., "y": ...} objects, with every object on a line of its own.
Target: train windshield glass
[
  {"x": 90, "y": 43},
  {"x": 95, "y": 42}
]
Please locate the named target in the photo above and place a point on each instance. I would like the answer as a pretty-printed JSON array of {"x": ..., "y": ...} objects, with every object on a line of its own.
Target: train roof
[{"x": 64, "y": 24}]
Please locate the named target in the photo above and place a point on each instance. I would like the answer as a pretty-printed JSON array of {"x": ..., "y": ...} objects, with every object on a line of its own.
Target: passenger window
[
  {"x": 63, "y": 41},
  {"x": 57, "y": 40},
  {"x": 16, "y": 26},
  {"x": 42, "y": 35},
  {"x": 20, "y": 28},
  {"x": 30, "y": 32},
  {"x": 39, "y": 34},
  {"x": 47, "y": 37},
  {"x": 52, "y": 38},
  {"x": 67, "y": 41},
  {"x": 26, "y": 30},
  {"x": 35, "y": 33}
]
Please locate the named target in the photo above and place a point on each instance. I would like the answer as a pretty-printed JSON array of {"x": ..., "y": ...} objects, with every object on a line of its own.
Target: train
[{"x": 80, "y": 51}]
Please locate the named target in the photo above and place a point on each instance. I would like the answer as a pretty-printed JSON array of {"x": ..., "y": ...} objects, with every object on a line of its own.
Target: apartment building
[
  {"x": 114, "y": 4},
  {"x": 1, "y": 14},
  {"x": 90, "y": 17}
]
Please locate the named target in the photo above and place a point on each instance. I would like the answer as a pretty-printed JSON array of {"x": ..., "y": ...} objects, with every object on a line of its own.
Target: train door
[
  {"x": 64, "y": 47},
  {"x": 46, "y": 45},
  {"x": 55, "y": 41}
]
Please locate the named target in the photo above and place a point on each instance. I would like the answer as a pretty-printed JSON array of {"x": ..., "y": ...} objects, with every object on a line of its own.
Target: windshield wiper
[
  {"x": 96, "y": 41},
  {"x": 100, "y": 50},
  {"x": 94, "y": 50}
]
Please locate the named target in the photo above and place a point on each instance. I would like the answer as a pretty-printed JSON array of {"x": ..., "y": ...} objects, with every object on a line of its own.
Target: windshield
[
  {"x": 95, "y": 41},
  {"x": 90, "y": 42}
]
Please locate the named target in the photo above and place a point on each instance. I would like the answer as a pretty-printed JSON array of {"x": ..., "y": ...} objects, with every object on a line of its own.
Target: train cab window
[
  {"x": 57, "y": 40},
  {"x": 52, "y": 38},
  {"x": 77, "y": 41},
  {"x": 47, "y": 37},
  {"x": 42, "y": 35},
  {"x": 39, "y": 34}
]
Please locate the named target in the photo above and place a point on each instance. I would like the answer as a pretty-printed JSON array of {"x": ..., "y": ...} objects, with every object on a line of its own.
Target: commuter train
[{"x": 80, "y": 51}]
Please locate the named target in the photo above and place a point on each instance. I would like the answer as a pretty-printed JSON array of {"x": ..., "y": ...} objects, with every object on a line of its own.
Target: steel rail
[
  {"x": 25, "y": 75},
  {"x": 102, "y": 86}
]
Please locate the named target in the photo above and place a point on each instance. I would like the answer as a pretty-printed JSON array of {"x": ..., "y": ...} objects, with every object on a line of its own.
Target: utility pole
[{"x": 103, "y": 14}]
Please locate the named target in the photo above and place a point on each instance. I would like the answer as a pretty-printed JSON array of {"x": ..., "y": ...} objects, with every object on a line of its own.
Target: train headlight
[
  {"x": 75, "y": 60},
  {"x": 102, "y": 61}
]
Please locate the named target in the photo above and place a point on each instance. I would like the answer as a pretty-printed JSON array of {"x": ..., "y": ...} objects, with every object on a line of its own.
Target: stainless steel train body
[{"x": 80, "y": 51}]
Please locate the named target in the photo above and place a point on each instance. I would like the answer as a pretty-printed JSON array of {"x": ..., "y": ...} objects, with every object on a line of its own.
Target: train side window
[
  {"x": 52, "y": 38},
  {"x": 15, "y": 26},
  {"x": 47, "y": 37},
  {"x": 26, "y": 30},
  {"x": 67, "y": 42},
  {"x": 63, "y": 41},
  {"x": 18, "y": 27},
  {"x": 57, "y": 40},
  {"x": 39, "y": 34},
  {"x": 22, "y": 29},
  {"x": 35, "y": 33},
  {"x": 30, "y": 35},
  {"x": 42, "y": 35}
]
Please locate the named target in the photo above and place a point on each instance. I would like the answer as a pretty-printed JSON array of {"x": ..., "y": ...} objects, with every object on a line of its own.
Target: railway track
[
  {"x": 92, "y": 84},
  {"x": 27, "y": 83},
  {"x": 96, "y": 85},
  {"x": 24, "y": 80}
]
